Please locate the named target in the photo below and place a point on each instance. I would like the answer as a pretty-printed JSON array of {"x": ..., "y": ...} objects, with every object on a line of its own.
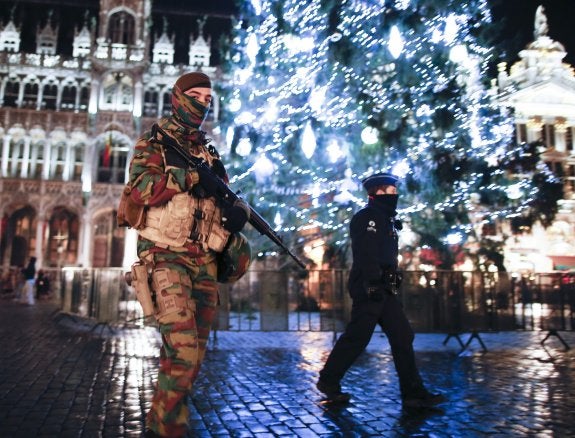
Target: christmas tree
[{"x": 322, "y": 93}]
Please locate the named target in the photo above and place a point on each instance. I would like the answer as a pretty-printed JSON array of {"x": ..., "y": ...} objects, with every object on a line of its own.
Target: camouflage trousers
[{"x": 184, "y": 334}]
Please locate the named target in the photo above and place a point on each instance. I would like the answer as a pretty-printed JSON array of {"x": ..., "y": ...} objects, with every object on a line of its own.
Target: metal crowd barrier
[
  {"x": 450, "y": 302},
  {"x": 99, "y": 294}
]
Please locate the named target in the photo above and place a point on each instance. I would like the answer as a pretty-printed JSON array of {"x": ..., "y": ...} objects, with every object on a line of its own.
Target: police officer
[
  {"x": 183, "y": 235},
  {"x": 373, "y": 283}
]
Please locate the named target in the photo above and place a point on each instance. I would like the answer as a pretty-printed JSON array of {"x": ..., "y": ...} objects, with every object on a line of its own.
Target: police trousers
[
  {"x": 365, "y": 315},
  {"x": 184, "y": 334}
]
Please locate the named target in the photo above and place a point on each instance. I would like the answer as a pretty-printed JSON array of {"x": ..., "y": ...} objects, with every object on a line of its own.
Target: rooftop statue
[{"x": 541, "y": 27}]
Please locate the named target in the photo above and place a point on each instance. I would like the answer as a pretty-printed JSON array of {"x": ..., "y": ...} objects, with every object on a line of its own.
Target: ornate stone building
[
  {"x": 70, "y": 112},
  {"x": 540, "y": 88}
]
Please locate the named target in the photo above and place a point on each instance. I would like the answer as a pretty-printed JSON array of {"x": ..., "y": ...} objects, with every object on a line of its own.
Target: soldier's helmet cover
[{"x": 235, "y": 260}]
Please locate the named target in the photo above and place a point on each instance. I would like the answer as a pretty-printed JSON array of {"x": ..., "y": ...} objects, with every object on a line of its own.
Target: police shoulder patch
[{"x": 371, "y": 226}]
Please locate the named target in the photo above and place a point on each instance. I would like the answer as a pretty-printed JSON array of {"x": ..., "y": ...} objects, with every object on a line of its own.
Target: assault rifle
[{"x": 224, "y": 193}]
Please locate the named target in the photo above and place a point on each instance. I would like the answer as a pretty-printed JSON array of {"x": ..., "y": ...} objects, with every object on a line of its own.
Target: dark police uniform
[{"x": 373, "y": 287}]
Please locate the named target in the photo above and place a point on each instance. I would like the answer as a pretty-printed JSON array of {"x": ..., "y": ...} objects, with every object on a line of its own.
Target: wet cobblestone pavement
[{"x": 59, "y": 379}]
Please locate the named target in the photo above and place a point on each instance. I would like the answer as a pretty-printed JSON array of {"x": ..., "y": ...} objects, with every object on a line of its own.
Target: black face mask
[{"x": 389, "y": 201}]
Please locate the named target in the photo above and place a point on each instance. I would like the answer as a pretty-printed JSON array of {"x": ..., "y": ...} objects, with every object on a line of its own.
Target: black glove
[
  {"x": 234, "y": 219},
  {"x": 174, "y": 159},
  {"x": 375, "y": 293},
  {"x": 398, "y": 279},
  {"x": 208, "y": 184},
  {"x": 219, "y": 169}
]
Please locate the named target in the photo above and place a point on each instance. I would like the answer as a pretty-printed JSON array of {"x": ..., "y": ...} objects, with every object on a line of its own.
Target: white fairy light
[
  {"x": 458, "y": 54},
  {"x": 244, "y": 147},
  {"x": 252, "y": 47},
  {"x": 263, "y": 169},
  {"x": 257, "y": 5},
  {"x": 235, "y": 104},
  {"x": 334, "y": 151},
  {"x": 369, "y": 135},
  {"x": 396, "y": 43},
  {"x": 451, "y": 29},
  {"x": 308, "y": 143},
  {"x": 317, "y": 98}
]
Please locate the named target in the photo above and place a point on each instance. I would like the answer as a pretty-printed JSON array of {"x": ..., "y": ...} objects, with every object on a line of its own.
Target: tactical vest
[{"x": 186, "y": 219}]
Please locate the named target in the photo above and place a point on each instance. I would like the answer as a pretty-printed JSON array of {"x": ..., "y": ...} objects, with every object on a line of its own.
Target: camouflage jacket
[{"x": 152, "y": 181}]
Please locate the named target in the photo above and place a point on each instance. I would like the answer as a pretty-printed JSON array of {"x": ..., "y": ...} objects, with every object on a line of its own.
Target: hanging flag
[{"x": 107, "y": 151}]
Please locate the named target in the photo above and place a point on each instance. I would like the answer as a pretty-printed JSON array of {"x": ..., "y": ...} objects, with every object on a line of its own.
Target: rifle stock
[{"x": 225, "y": 192}]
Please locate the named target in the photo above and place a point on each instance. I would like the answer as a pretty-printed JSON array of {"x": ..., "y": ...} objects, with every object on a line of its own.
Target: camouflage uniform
[{"x": 186, "y": 273}]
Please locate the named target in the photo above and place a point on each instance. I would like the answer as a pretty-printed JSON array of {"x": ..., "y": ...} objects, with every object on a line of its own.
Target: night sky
[{"x": 515, "y": 18}]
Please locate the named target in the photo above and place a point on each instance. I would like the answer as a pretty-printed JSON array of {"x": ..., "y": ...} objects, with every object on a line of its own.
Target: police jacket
[{"x": 374, "y": 244}]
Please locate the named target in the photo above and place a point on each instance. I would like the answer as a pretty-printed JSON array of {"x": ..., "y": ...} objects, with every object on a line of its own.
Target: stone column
[
  {"x": 25, "y": 158},
  {"x": 5, "y": 155}
]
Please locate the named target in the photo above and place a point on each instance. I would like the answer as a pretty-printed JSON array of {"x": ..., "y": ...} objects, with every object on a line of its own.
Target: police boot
[
  {"x": 332, "y": 391},
  {"x": 422, "y": 399}
]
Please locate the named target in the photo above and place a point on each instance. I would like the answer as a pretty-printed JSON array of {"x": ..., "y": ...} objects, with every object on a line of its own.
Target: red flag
[{"x": 107, "y": 151}]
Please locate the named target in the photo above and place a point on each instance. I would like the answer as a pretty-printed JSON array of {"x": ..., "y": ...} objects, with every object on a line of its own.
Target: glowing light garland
[{"x": 294, "y": 68}]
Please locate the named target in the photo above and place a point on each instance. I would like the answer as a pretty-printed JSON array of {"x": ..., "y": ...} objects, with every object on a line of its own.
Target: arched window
[
  {"x": 151, "y": 103},
  {"x": 117, "y": 94},
  {"x": 17, "y": 152},
  {"x": 21, "y": 235},
  {"x": 167, "y": 105},
  {"x": 49, "y": 96},
  {"x": 113, "y": 158},
  {"x": 30, "y": 95},
  {"x": 36, "y": 159},
  {"x": 57, "y": 160},
  {"x": 68, "y": 98},
  {"x": 84, "y": 98},
  {"x": 62, "y": 246},
  {"x": 121, "y": 28},
  {"x": 11, "y": 93}
]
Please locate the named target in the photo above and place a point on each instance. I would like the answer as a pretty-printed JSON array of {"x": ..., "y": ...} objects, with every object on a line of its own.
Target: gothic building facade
[{"x": 69, "y": 120}]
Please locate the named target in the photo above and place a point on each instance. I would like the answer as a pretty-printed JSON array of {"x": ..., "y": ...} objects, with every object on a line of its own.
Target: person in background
[
  {"x": 42, "y": 285},
  {"x": 29, "y": 274},
  {"x": 373, "y": 285}
]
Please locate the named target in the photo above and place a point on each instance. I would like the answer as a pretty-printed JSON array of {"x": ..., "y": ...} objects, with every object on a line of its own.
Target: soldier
[
  {"x": 186, "y": 242},
  {"x": 373, "y": 283}
]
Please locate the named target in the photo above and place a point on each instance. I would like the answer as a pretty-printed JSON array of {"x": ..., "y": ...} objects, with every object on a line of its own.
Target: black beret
[{"x": 379, "y": 179}]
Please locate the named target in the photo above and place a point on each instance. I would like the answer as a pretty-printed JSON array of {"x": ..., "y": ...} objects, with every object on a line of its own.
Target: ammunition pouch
[
  {"x": 186, "y": 219},
  {"x": 129, "y": 213},
  {"x": 175, "y": 300}
]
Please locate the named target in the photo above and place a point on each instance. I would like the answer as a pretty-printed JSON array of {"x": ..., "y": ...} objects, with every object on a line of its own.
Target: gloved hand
[
  {"x": 235, "y": 217},
  {"x": 398, "y": 279},
  {"x": 208, "y": 183},
  {"x": 375, "y": 293},
  {"x": 174, "y": 159}
]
